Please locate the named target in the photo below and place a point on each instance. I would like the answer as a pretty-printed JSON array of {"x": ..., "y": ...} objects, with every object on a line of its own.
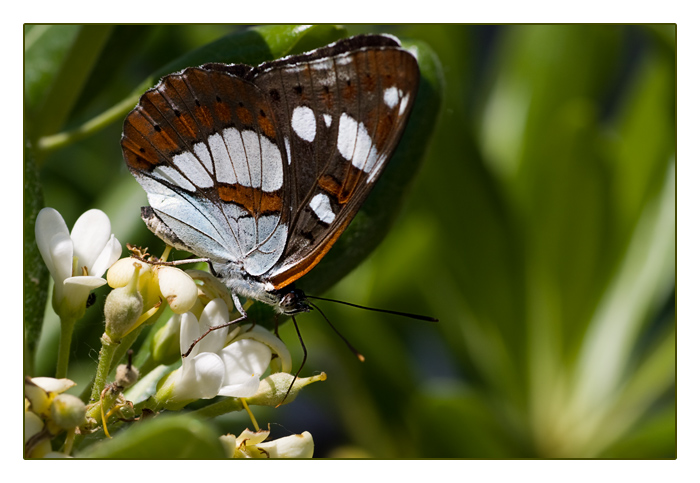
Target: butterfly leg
[{"x": 242, "y": 318}]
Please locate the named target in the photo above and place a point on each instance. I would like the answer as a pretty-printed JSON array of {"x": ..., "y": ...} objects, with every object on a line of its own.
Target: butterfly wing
[
  {"x": 203, "y": 145},
  {"x": 342, "y": 110}
]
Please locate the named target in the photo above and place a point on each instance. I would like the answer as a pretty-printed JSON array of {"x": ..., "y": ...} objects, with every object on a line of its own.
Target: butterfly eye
[{"x": 294, "y": 302}]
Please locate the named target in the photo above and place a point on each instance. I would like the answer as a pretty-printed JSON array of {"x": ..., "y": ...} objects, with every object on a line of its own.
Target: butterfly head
[{"x": 293, "y": 302}]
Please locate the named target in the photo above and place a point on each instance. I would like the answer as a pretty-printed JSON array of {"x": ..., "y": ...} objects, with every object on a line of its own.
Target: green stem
[
  {"x": 64, "y": 343},
  {"x": 119, "y": 352},
  {"x": 225, "y": 406},
  {"x": 124, "y": 346},
  {"x": 62, "y": 139},
  {"x": 104, "y": 366}
]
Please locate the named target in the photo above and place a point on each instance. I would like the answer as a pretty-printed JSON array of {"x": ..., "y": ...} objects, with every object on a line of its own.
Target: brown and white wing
[
  {"x": 203, "y": 145},
  {"x": 341, "y": 110}
]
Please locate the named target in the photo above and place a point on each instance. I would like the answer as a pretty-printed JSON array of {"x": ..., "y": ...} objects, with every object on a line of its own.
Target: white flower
[
  {"x": 156, "y": 283},
  {"x": 41, "y": 391},
  {"x": 250, "y": 445},
  {"x": 44, "y": 403},
  {"x": 220, "y": 365},
  {"x": 76, "y": 260}
]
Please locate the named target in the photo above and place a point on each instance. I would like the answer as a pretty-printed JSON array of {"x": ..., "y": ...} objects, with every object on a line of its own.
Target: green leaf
[
  {"x": 653, "y": 438},
  {"x": 251, "y": 46},
  {"x": 36, "y": 275},
  {"x": 458, "y": 422},
  {"x": 45, "y": 47},
  {"x": 164, "y": 437},
  {"x": 70, "y": 77}
]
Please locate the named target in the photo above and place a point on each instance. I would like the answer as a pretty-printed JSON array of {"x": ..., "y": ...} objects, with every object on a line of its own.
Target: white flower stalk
[
  {"x": 251, "y": 445},
  {"x": 219, "y": 365},
  {"x": 76, "y": 260}
]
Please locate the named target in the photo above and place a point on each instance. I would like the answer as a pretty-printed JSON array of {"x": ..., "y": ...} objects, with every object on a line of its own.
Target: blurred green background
[{"x": 540, "y": 230}]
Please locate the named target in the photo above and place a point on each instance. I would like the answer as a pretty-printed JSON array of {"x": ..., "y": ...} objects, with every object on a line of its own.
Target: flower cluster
[
  {"x": 47, "y": 413},
  {"x": 246, "y": 364},
  {"x": 222, "y": 364}
]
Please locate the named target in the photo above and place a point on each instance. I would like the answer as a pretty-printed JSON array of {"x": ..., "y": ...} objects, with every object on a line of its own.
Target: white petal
[
  {"x": 90, "y": 235},
  {"x": 178, "y": 288},
  {"x": 245, "y": 360},
  {"x": 86, "y": 281},
  {"x": 261, "y": 334},
  {"x": 202, "y": 379},
  {"x": 244, "y": 389},
  {"x": 293, "y": 446},
  {"x": 122, "y": 270},
  {"x": 61, "y": 253},
  {"x": 110, "y": 254},
  {"x": 50, "y": 384},
  {"x": 214, "y": 314},
  {"x": 76, "y": 291},
  {"x": 49, "y": 223},
  {"x": 32, "y": 425},
  {"x": 252, "y": 437},
  {"x": 189, "y": 332}
]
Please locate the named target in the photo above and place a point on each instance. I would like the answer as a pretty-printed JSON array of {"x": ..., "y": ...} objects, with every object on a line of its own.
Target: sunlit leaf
[{"x": 174, "y": 437}]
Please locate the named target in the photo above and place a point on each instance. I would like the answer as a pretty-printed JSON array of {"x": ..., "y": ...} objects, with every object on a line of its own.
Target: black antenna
[
  {"x": 402, "y": 314},
  {"x": 303, "y": 361},
  {"x": 355, "y": 351}
]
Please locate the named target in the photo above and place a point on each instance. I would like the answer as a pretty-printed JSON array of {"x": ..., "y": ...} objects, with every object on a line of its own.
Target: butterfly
[{"x": 259, "y": 170}]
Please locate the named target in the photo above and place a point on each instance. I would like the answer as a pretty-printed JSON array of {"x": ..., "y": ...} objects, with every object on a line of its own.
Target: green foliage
[
  {"x": 165, "y": 437},
  {"x": 36, "y": 275},
  {"x": 538, "y": 225}
]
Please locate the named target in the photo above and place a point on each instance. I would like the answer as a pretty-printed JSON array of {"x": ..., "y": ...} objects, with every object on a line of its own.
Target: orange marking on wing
[
  {"x": 204, "y": 116},
  {"x": 329, "y": 184},
  {"x": 369, "y": 83},
  {"x": 223, "y": 112},
  {"x": 245, "y": 197},
  {"x": 384, "y": 129},
  {"x": 349, "y": 184},
  {"x": 267, "y": 127},
  {"x": 244, "y": 115},
  {"x": 349, "y": 92}
]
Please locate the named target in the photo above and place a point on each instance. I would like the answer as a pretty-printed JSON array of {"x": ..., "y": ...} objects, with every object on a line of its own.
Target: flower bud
[
  {"x": 122, "y": 272},
  {"x": 273, "y": 389},
  {"x": 178, "y": 288},
  {"x": 165, "y": 345},
  {"x": 123, "y": 308},
  {"x": 67, "y": 411}
]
